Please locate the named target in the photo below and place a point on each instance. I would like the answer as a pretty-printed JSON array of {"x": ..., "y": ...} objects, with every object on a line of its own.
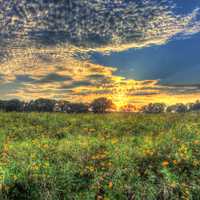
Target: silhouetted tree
[
  {"x": 67, "y": 107},
  {"x": 13, "y": 105},
  {"x": 77, "y": 108},
  {"x": 101, "y": 105},
  {"x": 41, "y": 105},
  {"x": 195, "y": 106},
  {"x": 154, "y": 108},
  {"x": 177, "y": 108},
  {"x": 2, "y": 105},
  {"x": 61, "y": 106}
]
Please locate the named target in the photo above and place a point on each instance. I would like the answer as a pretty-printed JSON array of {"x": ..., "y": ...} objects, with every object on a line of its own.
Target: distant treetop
[{"x": 99, "y": 105}]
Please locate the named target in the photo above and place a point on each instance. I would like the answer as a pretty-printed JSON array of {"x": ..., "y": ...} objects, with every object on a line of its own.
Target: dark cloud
[
  {"x": 88, "y": 23},
  {"x": 76, "y": 84},
  {"x": 173, "y": 88},
  {"x": 53, "y": 77},
  {"x": 145, "y": 93},
  {"x": 96, "y": 77},
  {"x": 180, "y": 88},
  {"x": 9, "y": 88},
  {"x": 24, "y": 78},
  {"x": 1, "y": 77},
  {"x": 94, "y": 93},
  {"x": 101, "y": 80},
  {"x": 46, "y": 58}
]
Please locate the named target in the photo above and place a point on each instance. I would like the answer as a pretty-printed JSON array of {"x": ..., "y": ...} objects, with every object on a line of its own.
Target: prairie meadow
[{"x": 55, "y": 156}]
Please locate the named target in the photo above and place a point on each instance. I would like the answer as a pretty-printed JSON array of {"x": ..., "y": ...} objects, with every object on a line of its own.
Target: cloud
[
  {"x": 89, "y": 24},
  {"x": 24, "y": 78},
  {"x": 1, "y": 77},
  {"x": 45, "y": 46},
  {"x": 76, "y": 84},
  {"x": 53, "y": 77}
]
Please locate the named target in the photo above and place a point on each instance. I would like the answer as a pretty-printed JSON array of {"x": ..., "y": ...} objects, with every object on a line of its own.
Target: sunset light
[{"x": 99, "y": 99}]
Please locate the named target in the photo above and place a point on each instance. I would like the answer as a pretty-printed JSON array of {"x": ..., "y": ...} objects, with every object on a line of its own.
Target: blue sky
[{"x": 177, "y": 62}]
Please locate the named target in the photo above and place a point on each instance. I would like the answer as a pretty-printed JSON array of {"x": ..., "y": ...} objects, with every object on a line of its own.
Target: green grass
[{"x": 86, "y": 157}]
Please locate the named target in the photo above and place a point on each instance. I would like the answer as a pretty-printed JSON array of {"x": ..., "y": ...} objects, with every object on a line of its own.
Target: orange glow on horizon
[{"x": 80, "y": 83}]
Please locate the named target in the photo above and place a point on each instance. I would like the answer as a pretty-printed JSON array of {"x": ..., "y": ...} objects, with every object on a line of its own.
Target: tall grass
[{"x": 113, "y": 156}]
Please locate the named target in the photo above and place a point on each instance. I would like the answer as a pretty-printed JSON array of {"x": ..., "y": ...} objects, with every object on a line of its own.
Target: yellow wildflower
[
  {"x": 175, "y": 162},
  {"x": 114, "y": 141},
  {"x": 90, "y": 168},
  {"x": 14, "y": 177},
  {"x": 173, "y": 184},
  {"x": 196, "y": 142},
  {"x": 35, "y": 166},
  {"x": 110, "y": 184},
  {"x": 46, "y": 164},
  {"x": 45, "y": 146},
  {"x": 165, "y": 163}
]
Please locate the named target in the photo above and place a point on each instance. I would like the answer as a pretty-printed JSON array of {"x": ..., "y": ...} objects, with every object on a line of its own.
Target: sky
[{"x": 132, "y": 51}]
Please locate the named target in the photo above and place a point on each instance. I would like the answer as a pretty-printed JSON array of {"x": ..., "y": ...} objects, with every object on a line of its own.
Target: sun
[{"x": 120, "y": 97}]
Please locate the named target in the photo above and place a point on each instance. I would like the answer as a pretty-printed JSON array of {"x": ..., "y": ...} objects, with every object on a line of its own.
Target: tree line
[
  {"x": 99, "y": 105},
  {"x": 176, "y": 108}
]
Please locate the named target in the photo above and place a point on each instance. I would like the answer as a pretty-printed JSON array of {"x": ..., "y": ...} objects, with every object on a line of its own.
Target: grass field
[{"x": 86, "y": 157}]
